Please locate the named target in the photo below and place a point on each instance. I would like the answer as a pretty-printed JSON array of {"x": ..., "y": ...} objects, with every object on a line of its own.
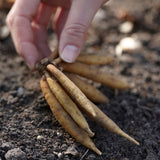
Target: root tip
[
  {"x": 137, "y": 143},
  {"x": 93, "y": 114},
  {"x": 91, "y": 134},
  {"x": 125, "y": 135},
  {"x": 133, "y": 140},
  {"x": 98, "y": 151}
]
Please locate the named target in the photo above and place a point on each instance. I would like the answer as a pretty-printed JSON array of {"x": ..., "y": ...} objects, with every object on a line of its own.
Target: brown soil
[{"x": 26, "y": 121}]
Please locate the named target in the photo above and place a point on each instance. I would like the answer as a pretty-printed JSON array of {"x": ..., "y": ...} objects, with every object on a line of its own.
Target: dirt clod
[{"x": 15, "y": 154}]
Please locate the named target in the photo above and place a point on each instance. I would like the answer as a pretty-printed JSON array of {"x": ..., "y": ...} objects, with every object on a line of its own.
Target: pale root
[
  {"x": 88, "y": 71},
  {"x": 109, "y": 124},
  {"x": 72, "y": 89},
  {"x": 95, "y": 59},
  {"x": 89, "y": 90},
  {"x": 65, "y": 120},
  {"x": 67, "y": 103}
]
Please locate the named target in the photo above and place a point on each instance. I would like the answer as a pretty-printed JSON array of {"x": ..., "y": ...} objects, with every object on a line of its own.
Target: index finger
[{"x": 19, "y": 20}]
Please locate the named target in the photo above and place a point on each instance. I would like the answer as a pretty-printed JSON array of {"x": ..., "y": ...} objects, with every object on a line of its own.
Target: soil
[{"x": 27, "y": 123}]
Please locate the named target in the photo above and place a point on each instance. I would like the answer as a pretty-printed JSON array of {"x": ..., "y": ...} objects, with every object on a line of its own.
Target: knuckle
[
  {"x": 17, "y": 20},
  {"x": 9, "y": 20},
  {"x": 76, "y": 30}
]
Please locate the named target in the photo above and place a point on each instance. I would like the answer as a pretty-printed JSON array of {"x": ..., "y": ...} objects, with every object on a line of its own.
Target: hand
[{"x": 28, "y": 20}]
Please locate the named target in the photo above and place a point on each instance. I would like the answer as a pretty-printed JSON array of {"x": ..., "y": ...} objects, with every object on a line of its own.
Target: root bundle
[{"x": 68, "y": 95}]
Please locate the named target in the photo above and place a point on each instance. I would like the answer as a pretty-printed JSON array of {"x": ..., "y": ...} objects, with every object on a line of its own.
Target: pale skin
[{"x": 28, "y": 21}]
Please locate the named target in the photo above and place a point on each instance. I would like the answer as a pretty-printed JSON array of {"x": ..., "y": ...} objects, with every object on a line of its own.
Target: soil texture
[{"x": 28, "y": 129}]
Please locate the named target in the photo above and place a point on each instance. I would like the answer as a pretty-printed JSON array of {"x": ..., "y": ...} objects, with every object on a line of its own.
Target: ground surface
[{"x": 27, "y": 123}]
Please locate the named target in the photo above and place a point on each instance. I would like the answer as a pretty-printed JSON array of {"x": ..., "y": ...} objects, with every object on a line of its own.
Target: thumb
[{"x": 73, "y": 34}]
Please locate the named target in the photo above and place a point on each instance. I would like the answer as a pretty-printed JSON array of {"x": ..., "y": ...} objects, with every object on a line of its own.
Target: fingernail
[
  {"x": 30, "y": 62},
  {"x": 70, "y": 53},
  {"x": 31, "y": 66}
]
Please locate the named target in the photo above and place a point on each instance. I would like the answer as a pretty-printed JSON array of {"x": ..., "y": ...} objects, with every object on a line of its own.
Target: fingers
[
  {"x": 19, "y": 21},
  {"x": 63, "y": 3},
  {"x": 28, "y": 20},
  {"x": 39, "y": 26},
  {"x": 60, "y": 20},
  {"x": 77, "y": 23}
]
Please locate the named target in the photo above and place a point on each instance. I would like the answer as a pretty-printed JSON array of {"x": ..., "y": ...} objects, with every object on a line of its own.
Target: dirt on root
[{"x": 27, "y": 123}]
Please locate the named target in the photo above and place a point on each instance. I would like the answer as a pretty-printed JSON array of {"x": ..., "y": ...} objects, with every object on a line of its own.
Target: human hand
[{"x": 29, "y": 19}]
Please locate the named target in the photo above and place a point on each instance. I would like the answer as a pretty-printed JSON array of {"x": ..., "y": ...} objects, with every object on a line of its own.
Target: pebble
[
  {"x": 58, "y": 134},
  {"x": 40, "y": 137},
  {"x": 4, "y": 32},
  {"x": 126, "y": 27},
  {"x": 20, "y": 91},
  {"x": 60, "y": 155},
  {"x": 15, "y": 154},
  {"x": 127, "y": 44}
]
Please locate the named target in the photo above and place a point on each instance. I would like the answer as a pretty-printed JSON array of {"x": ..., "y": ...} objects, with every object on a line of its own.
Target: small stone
[
  {"x": 20, "y": 91},
  {"x": 40, "y": 137},
  {"x": 126, "y": 27},
  {"x": 15, "y": 154},
  {"x": 4, "y": 32},
  {"x": 128, "y": 44},
  {"x": 57, "y": 133},
  {"x": 60, "y": 155}
]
